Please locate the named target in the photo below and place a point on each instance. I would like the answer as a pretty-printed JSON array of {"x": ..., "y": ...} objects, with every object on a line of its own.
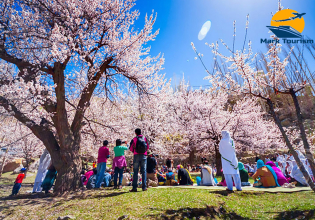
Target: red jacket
[{"x": 19, "y": 178}]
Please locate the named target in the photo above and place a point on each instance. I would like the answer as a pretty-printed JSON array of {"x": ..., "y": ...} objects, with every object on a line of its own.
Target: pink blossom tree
[
  {"x": 242, "y": 76},
  {"x": 56, "y": 54},
  {"x": 202, "y": 115}
]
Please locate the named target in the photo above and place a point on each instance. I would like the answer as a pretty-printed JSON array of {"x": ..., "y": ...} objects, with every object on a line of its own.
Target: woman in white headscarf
[
  {"x": 44, "y": 162},
  {"x": 229, "y": 162},
  {"x": 297, "y": 175}
]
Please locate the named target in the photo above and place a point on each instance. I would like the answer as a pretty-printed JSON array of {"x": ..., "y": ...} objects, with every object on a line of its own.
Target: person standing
[
  {"x": 139, "y": 146},
  {"x": 169, "y": 163},
  {"x": 44, "y": 162},
  {"x": 18, "y": 182},
  {"x": 49, "y": 178},
  {"x": 229, "y": 162},
  {"x": 103, "y": 155},
  {"x": 119, "y": 163}
]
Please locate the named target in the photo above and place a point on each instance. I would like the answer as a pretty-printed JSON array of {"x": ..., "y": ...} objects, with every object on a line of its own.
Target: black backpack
[{"x": 141, "y": 145}]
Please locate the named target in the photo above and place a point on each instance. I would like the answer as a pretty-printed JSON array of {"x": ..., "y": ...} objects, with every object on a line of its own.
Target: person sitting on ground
[
  {"x": 119, "y": 163},
  {"x": 267, "y": 175},
  {"x": 161, "y": 178},
  {"x": 88, "y": 174},
  {"x": 91, "y": 184},
  {"x": 243, "y": 174},
  {"x": 170, "y": 178},
  {"x": 280, "y": 177},
  {"x": 297, "y": 176},
  {"x": 184, "y": 177},
  {"x": 151, "y": 170},
  {"x": 107, "y": 178},
  {"x": 49, "y": 179},
  {"x": 126, "y": 178},
  {"x": 207, "y": 175},
  {"x": 18, "y": 182},
  {"x": 193, "y": 168}
]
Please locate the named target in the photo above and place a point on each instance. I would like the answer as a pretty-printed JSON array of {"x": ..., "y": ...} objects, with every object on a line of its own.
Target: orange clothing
[
  {"x": 19, "y": 178},
  {"x": 266, "y": 177},
  {"x": 94, "y": 165}
]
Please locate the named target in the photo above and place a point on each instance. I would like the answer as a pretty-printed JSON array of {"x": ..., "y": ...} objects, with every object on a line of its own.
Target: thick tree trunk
[
  {"x": 68, "y": 172},
  {"x": 307, "y": 148},
  {"x": 3, "y": 161},
  {"x": 289, "y": 145},
  {"x": 192, "y": 156},
  {"x": 218, "y": 163}
]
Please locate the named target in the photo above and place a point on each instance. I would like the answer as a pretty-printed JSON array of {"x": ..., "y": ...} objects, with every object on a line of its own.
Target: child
[{"x": 18, "y": 182}]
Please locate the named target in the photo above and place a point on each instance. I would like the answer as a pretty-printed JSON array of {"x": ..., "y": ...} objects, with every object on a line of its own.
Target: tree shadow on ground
[
  {"x": 227, "y": 193},
  {"x": 295, "y": 214},
  {"x": 210, "y": 212},
  {"x": 94, "y": 196}
]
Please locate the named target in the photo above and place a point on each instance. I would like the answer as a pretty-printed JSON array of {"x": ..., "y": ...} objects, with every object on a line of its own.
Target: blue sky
[{"x": 180, "y": 21}]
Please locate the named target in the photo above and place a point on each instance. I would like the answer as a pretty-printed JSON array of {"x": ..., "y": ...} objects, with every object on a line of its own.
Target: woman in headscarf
[
  {"x": 44, "y": 162},
  {"x": 49, "y": 179},
  {"x": 267, "y": 175},
  {"x": 243, "y": 174},
  {"x": 206, "y": 175},
  {"x": 297, "y": 175},
  {"x": 184, "y": 177},
  {"x": 229, "y": 162},
  {"x": 280, "y": 177}
]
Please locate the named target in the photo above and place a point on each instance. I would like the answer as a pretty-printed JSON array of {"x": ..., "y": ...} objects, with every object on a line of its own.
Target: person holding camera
[{"x": 119, "y": 163}]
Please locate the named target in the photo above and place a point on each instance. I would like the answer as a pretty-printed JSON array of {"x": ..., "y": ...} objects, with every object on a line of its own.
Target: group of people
[{"x": 282, "y": 172}]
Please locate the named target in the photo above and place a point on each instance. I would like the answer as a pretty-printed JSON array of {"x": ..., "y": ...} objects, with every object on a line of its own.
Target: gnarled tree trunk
[
  {"x": 297, "y": 159},
  {"x": 218, "y": 163},
  {"x": 68, "y": 171},
  {"x": 307, "y": 148}
]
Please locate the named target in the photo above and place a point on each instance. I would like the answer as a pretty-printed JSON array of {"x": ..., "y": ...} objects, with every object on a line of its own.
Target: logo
[{"x": 285, "y": 24}]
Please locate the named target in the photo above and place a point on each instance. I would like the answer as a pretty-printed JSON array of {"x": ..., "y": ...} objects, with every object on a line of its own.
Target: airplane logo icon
[{"x": 297, "y": 15}]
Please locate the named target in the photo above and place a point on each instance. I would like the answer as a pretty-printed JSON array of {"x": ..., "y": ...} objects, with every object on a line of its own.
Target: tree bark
[
  {"x": 218, "y": 163},
  {"x": 289, "y": 145},
  {"x": 307, "y": 148},
  {"x": 68, "y": 171},
  {"x": 192, "y": 156},
  {"x": 3, "y": 161}
]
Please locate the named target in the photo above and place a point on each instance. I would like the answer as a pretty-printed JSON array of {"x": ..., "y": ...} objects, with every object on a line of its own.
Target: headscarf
[
  {"x": 261, "y": 164},
  {"x": 241, "y": 166},
  {"x": 297, "y": 174},
  {"x": 300, "y": 155},
  {"x": 179, "y": 166},
  {"x": 227, "y": 149}
]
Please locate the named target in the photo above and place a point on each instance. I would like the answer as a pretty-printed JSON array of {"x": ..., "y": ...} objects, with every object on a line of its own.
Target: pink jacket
[
  {"x": 134, "y": 143},
  {"x": 103, "y": 153}
]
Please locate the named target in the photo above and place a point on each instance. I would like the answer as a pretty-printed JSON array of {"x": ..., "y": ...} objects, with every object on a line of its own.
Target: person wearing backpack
[{"x": 139, "y": 146}]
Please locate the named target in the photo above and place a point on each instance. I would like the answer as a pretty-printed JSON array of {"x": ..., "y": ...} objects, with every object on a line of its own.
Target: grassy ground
[{"x": 166, "y": 203}]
